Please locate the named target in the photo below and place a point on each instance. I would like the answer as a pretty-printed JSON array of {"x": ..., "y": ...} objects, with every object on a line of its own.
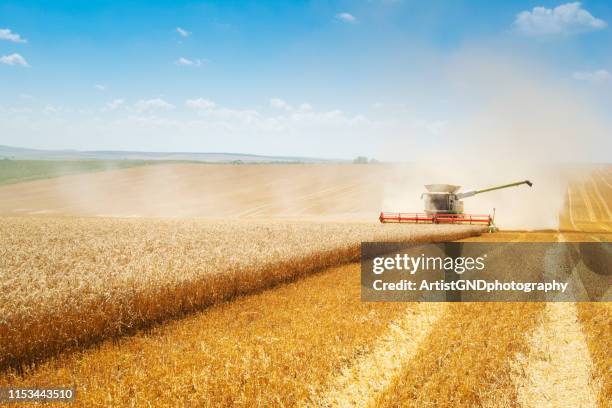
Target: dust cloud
[
  {"x": 334, "y": 192},
  {"x": 510, "y": 120}
]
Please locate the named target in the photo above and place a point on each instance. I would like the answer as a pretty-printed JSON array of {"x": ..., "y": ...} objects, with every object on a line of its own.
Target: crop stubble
[
  {"x": 596, "y": 320},
  {"x": 465, "y": 360}
]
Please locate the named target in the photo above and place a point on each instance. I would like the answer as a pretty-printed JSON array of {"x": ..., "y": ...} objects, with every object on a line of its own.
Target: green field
[{"x": 14, "y": 171}]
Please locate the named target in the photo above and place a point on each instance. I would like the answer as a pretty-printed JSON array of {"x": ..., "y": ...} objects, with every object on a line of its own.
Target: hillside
[{"x": 19, "y": 153}]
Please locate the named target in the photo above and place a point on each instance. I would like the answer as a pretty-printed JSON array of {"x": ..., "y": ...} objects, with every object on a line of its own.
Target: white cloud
[
  {"x": 598, "y": 76},
  {"x": 290, "y": 118},
  {"x": 346, "y": 17},
  {"x": 564, "y": 19},
  {"x": 7, "y": 34},
  {"x": 115, "y": 103},
  {"x": 278, "y": 103},
  {"x": 50, "y": 110},
  {"x": 100, "y": 87},
  {"x": 187, "y": 62},
  {"x": 19, "y": 111},
  {"x": 152, "y": 104},
  {"x": 200, "y": 103},
  {"x": 332, "y": 118},
  {"x": 229, "y": 118},
  {"x": 14, "y": 59},
  {"x": 235, "y": 118},
  {"x": 182, "y": 32},
  {"x": 305, "y": 107}
]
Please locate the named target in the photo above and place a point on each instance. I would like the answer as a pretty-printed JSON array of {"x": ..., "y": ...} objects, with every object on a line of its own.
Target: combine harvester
[{"x": 443, "y": 205}]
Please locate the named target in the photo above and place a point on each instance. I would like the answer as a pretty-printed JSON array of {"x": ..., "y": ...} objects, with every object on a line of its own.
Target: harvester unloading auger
[{"x": 443, "y": 205}]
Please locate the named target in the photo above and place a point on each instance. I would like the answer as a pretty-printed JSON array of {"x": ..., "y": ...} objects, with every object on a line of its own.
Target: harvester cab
[{"x": 444, "y": 205}]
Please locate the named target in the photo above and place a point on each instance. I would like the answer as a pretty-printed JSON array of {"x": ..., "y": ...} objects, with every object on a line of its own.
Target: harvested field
[
  {"x": 465, "y": 360},
  {"x": 360, "y": 383},
  {"x": 68, "y": 282},
  {"x": 588, "y": 201},
  {"x": 567, "y": 359},
  {"x": 557, "y": 369},
  {"x": 596, "y": 321},
  {"x": 207, "y": 190}
]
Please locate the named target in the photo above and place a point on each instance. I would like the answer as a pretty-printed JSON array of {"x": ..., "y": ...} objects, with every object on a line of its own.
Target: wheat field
[
  {"x": 275, "y": 348},
  {"x": 148, "y": 312},
  {"x": 70, "y": 282}
]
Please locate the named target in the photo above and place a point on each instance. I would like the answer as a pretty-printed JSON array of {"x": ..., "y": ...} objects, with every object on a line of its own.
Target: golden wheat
[
  {"x": 275, "y": 348},
  {"x": 69, "y": 282}
]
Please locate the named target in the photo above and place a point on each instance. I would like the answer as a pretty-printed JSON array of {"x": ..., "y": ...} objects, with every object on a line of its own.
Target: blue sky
[{"x": 314, "y": 78}]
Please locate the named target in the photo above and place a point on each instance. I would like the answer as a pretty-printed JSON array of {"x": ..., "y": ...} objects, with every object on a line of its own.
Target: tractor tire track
[
  {"x": 570, "y": 208},
  {"x": 359, "y": 384},
  {"x": 465, "y": 360},
  {"x": 587, "y": 203},
  {"x": 557, "y": 370},
  {"x": 600, "y": 198},
  {"x": 602, "y": 175},
  {"x": 601, "y": 201},
  {"x": 596, "y": 319}
]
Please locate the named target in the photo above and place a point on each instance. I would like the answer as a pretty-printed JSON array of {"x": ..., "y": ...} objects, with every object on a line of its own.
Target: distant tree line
[{"x": 364, "y": 160}]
